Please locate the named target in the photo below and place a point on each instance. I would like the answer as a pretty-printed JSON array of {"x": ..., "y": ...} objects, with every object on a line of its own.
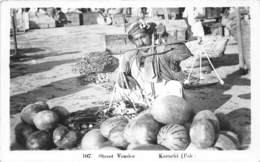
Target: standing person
[
  {"x": 192, "y": 16},
  {"x": 26, "y": 18},
  {"x": 60, "y": 18},
  {"x": 152, "y": 69}
]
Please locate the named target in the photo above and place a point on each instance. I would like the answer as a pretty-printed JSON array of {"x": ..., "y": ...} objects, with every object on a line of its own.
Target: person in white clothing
[{"x": 193, "y": 17}]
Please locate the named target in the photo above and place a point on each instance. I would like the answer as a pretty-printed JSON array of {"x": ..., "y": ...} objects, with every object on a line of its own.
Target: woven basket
[{"x": 213, "y": 46}]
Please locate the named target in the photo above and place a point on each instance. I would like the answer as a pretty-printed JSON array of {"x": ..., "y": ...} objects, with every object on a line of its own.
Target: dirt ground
[{"x": 45, "y": 72}]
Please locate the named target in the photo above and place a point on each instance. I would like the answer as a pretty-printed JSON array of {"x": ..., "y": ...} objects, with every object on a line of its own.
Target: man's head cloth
[{"x": 139, "y": 28}]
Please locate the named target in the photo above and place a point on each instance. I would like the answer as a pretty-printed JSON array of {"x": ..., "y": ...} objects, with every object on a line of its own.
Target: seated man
[{"x": 154, "y": 70}]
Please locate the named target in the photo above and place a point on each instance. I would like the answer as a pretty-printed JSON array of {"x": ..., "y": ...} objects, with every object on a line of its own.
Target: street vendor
[{"x": 156, "y": 70}]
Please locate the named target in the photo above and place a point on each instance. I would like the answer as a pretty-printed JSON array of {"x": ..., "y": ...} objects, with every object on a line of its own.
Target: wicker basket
[{"x": 213, "y": 46}]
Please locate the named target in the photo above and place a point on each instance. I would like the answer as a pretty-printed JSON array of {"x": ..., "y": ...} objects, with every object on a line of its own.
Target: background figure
[
  {"x": 60, "y": 18},
  {"x": 22, "y": 19},
  {"x": 193, "y": 17}
]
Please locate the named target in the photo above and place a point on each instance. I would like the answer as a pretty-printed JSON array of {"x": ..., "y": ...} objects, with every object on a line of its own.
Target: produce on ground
[
  {"x": 174, "y": 137},
  {"x": 93, "y": 140},
  {"x": 39, "y": 140},
  {"x": 171, "y": 109},
  {"x": 23, "y": 131},
  {"x": 168, "y": 124},
  {"x": 30, "y": 111},
  {"x": 202, "y": 133},
  {"x": 65, "y": 138},
  {"x": 46, "y": 120},
  {"x": 209, "y": 115}
]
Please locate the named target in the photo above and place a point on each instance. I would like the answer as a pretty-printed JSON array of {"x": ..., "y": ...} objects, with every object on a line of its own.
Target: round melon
[
  {"x": 116, "y": 136},
  {"x": 212, "y": 149},
  {"x": 171, "y": 110},
  {"x": 110, "y": 123},
  {"x": 65, "y": 138},
  {"x": 173, "y": 136},
  {"x": 142, "y": 130},
  {"x": 209, "y": 115},
  {"x": 46, "y": 120},
  {"x": 226, "y": 141},
  {"x": 202, "y": 133},
  {"x": 43, "y": 104},
  {"x": 232, "y": 135},
  {"x": 131, "y": 146},
  {"x": 93, "y": 140},
  {"x": 192, "y": 147},
  {"x": 30, "y": 111},
  {"x": 23, "y": 131},
  {"x": 149, "y": 147},
  {"x": 109, "y": 148},
  {"x": 107, "y": 143},
  {"x": 39, "y": 140},
  {"x": 62, "y": 112}
]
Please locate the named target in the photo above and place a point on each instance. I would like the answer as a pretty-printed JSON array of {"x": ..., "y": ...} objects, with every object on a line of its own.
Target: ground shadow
[
  {"x": 213, "y": 97},
  {"x": 235, "y": 79},
  {"x": 207, "y": 97},
  {"x": 245, "y": 96},
  {"x": 26, "y": 50},
  {"x": 23, "y": 69},
  {"x": 53, "y": 90},
  {"x": 22, "y": 57},
  {"x": 225, "y": 60}
]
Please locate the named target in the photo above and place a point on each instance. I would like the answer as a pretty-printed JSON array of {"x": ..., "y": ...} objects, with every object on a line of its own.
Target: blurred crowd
[{"x": 194, "y": 16}]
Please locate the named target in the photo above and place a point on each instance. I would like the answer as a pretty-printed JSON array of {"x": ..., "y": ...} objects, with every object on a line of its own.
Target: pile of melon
[
  {"x": 42, "y": 128},
  {"x": 169, "y": 124}
]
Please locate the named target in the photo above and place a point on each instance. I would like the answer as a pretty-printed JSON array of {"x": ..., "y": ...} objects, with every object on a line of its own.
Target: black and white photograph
[{"x": 129, "y": 78}]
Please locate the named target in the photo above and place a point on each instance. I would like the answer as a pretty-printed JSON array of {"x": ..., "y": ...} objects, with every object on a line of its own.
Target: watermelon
[
  {"x": 30, "y": 111},
  {"x": 93, "y": 140},
  {"x": 212, "y": 149},
  {"x": 43, "y": 104},
  {"x": 173, "y": 136},
  {"x": 46, "y": 120},
  {"x": 131, "y": 146},
  {"x": 202, "y": 133},
  {"x": 171, "y": 110},
  {"x": 62, "y": 112},
  {"x": 23, "y": 131},
  {"x": 192, "y": 147},
  {"x": 143, "y": 129},
  {"x": 39, "y": 140},
  {"x": 116, "y": 136},
  {"x": 109, "y": 148},
  {"x": 227, "y": 141},
  {"x": 65, "y": 138},
  {"x": 148, "y": 147},
  {"x": 111, "y": 123},
  {"x": 209, "y": 115},
  {"x": 107, "y": 143}
]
